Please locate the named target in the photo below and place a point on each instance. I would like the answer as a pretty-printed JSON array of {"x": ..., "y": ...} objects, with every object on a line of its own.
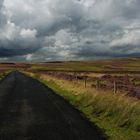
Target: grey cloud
[
  {"x": 17, "y": 47},
  {"x": 2, "y": 16},
  {"x": 70, "y": 29}
]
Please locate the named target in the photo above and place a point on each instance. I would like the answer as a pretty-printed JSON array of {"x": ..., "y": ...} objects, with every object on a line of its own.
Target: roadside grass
[
  {"x": 3, "y": 74},
  {"x": 117, "y": 114}
]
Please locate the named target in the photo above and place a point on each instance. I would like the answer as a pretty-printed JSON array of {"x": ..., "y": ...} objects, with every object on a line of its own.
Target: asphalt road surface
[{"x": 31, "y": 111}]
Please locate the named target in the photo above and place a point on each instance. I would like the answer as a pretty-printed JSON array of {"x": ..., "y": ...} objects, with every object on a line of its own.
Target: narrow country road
[{"x": 31, "y": 111}]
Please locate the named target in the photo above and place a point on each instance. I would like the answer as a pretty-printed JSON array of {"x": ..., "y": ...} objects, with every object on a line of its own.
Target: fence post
[
  {"x": 85, "y": 82},
  {"x": 97, "y": 84},
  {"x": 76, "y": 76},
  {"x": 115, "y": 87},
  {"x": 85, "y": 79}
]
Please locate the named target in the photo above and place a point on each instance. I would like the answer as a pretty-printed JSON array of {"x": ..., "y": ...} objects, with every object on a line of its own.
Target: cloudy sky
[{"x": 46, "y": 30}]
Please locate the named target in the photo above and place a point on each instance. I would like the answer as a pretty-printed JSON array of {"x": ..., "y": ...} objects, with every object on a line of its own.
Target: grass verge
[{"x": 3, "y": 74}]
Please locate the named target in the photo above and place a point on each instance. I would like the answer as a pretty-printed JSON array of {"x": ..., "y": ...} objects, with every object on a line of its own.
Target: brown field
[{"x": 124, "y": 74}]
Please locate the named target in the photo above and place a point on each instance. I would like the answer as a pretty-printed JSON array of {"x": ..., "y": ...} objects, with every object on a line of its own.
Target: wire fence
[{"x": 106, "y": 82}]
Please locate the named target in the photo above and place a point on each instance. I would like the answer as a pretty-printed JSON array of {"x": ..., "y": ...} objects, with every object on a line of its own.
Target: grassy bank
[
  {"x": 117, "y": 115},
  {"x": 3, "y": 74}
]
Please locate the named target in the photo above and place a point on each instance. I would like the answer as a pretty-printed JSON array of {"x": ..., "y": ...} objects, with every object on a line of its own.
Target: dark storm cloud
[
  {"x": 93, "y": 53},
  {"x": 17, "y": 47},
  {"x": 71, "y": 29}
]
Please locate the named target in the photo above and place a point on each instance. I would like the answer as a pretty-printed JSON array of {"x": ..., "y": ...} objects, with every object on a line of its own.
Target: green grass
[
  {"x": 2, "y": 75},
  {"x": 117, "y": 115}
]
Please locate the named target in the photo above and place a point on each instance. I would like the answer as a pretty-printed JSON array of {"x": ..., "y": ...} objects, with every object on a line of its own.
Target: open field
[
  {"x": 105, "y": 91},
  {"x": 120, "y": 75},
  {"x": 107, "y": 66},
  {"x": 127, "y": 65}
]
